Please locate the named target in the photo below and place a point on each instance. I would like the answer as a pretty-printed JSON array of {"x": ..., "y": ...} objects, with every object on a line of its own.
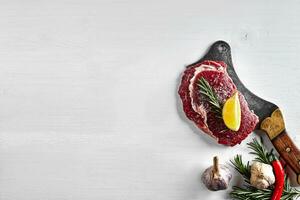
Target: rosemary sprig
[
  {"x": 265, "y": 194},
  {"x": 243, "y": 169},
  {"x": 248, "y": 192},
  {"x": 207, "y": 90},
  {"x": 262, "y": 155}
]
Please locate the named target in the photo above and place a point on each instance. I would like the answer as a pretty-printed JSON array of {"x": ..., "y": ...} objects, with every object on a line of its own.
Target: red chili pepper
[{"x": 279, "y": 180}]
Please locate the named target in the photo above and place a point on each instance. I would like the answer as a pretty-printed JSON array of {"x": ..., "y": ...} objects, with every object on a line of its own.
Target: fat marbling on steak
[{"x": 199, "y": 110}]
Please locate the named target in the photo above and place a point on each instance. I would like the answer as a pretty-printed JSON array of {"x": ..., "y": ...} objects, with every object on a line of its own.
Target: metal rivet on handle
[{"x": 288, "y": 149}]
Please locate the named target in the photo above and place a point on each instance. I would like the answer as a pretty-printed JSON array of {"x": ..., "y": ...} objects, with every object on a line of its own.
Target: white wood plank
[{"x": 88, "y": 92}]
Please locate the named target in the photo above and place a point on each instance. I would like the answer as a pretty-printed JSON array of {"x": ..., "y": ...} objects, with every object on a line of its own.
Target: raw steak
[{"x": 197, "y": 108}]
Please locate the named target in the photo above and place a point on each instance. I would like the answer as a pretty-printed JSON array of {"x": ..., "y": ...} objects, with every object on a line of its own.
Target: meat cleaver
[{"x": 270, "y": 117}]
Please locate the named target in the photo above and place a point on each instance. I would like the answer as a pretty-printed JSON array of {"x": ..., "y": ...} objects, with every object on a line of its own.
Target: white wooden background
[{"x": 88, "y": 92}]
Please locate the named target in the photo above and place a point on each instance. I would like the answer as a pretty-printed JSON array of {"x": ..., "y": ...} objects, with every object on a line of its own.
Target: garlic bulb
[
  {"x": 262, "y": 175},
  {"x": 216, "y": 177}
]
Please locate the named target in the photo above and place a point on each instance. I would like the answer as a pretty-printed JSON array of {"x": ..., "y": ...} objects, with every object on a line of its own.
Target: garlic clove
[
  {"x": 262, "y": 175},
  {"x": 216, "y": 177}
]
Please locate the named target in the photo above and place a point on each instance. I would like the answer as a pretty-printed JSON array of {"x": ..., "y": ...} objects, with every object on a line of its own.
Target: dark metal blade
[{"x": 220, "y": 51}]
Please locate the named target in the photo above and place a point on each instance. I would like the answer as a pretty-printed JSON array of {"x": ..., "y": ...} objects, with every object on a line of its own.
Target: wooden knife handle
[
  {"x": 275, "y": 128},
  {"x": 288, "y": 151}
]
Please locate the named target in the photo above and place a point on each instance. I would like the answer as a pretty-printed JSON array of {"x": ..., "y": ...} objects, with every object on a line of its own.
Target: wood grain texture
[
  {"x": 288, "y": 151},
  {"x": 88, "y": 92}
]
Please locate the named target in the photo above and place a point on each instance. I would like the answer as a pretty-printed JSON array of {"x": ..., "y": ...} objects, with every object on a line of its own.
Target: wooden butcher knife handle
[
  {"x": 275, "y": 128},
  {"x": 288, "y": 151}
]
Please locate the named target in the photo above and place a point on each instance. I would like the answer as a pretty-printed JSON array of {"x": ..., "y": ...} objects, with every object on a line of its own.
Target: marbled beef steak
[{"x": 200, "y": 110}]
